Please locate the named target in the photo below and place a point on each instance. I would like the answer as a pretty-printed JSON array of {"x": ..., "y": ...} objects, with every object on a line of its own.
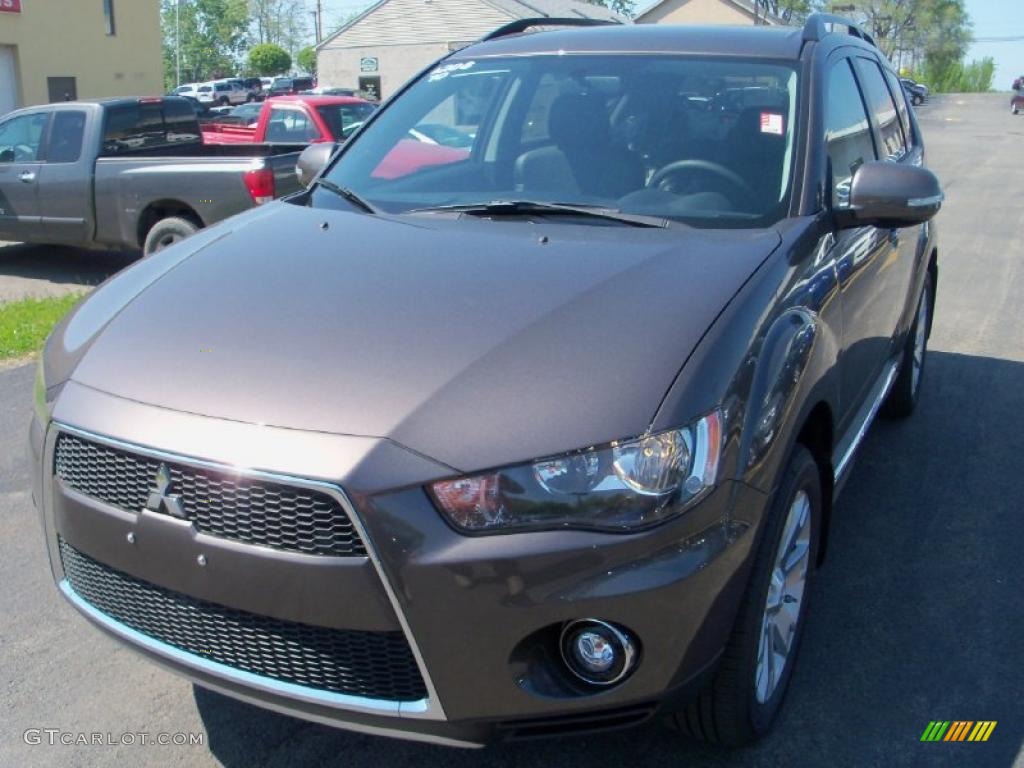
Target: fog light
[{"x": 597, "y": 652}]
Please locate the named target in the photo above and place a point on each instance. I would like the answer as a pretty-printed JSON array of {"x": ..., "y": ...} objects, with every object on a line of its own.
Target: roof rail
[
  {"x": 817, "y": 26},
  {"x": 521, "y": 25}
]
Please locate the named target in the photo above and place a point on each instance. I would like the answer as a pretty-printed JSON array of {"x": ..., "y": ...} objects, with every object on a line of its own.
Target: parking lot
[{"x": 917, "y": 614}]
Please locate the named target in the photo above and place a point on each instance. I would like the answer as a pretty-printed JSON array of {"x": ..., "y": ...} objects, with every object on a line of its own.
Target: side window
[
  {"x": 880, "y": 102},
  {"x": 21, "y": 138},
  {"x": 133, "y": 126},
  {"x": 290, "y": 125},
  {"x": 847, "y": 131},
  {"x": 66, "y": 137},
  {"x": 180, "y": 122},
  {"x": 896, "y": 89}
]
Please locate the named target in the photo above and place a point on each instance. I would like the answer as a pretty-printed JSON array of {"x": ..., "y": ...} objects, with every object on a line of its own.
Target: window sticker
[
  {"x": 440, "y": 73},
  {"x": 771, "y": 122}
]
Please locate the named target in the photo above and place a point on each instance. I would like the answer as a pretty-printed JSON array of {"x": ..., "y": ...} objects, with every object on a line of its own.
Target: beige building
[
  {"x": 704, "y": 12},
  {"x": 52, "y": 50},
  {"x": 393, "y": 40}
]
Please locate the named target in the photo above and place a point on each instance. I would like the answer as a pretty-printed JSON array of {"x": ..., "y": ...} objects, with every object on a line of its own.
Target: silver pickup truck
[{"x": 127, "y": 173}]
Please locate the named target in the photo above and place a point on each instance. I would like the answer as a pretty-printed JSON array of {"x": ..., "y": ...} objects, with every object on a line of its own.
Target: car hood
[{"x": 474, "y": 342}]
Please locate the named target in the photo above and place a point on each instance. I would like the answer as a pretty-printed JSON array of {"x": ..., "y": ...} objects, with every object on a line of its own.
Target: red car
[{"x": 295, "y": 120}]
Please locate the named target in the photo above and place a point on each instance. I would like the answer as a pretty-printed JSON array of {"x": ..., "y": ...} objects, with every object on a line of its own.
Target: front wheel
[
  {"x": 741, "y": 702},
  {"x": 1014, "y": 109}
]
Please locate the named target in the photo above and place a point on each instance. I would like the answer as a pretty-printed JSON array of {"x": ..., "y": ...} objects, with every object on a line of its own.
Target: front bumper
[{"x": 477, "y": 612}]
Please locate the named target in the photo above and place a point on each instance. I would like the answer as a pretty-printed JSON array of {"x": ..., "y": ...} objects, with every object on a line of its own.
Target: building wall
[
  {"x": 404, "y": 36},
  {"x": 67, "y": 38},
  {"x": 396, "y": 64},
  {"x": 695, "y": 12}
]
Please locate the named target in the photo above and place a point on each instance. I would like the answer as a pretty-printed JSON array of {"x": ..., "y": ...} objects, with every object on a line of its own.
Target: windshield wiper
[
  {"x": 523, "y": 207},
  {"x": 347, "y": 194}
]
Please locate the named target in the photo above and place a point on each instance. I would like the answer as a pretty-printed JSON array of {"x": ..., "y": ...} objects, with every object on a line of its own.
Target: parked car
[
  {"x": 294, "y": 119},
  {"x": 916, "y": 92},
  {"x": 221, "y": 93},
  {"x": 126, "y": 173},
  {"x": 289, "y": 86},
  {"x": 327, "y": 90},
  {"x": 186, "y": 89},
  {"x": 539, "y": 441},
  {"x": 246, "y": 114},
  {"x": 255, "y": 86},
  {"x": 1017, "y": 100}
]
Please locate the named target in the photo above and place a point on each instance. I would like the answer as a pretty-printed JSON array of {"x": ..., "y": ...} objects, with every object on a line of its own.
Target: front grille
[
  {"x": 218, "y": 503},
  {"x": 377, "y": 665}
]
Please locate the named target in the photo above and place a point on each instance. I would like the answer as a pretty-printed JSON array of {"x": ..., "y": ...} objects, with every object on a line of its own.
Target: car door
[
  {"x": 66, "y": 180},
  {"x": 861, "y": 254},
  {"x": 21, "y": 144},
  {"x": 890, "y": 277}
]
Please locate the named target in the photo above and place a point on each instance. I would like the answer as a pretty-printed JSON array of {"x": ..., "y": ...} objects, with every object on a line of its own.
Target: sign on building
[{"x": 366, "y": 64}]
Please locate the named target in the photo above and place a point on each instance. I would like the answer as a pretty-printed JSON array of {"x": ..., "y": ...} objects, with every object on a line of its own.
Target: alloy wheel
[
  {"x": 785, "y": 596},
  {"x": 920, "y": 342}
]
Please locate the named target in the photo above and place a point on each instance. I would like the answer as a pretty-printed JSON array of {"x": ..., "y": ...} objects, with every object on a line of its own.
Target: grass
[{"x": 25, "y": 324}]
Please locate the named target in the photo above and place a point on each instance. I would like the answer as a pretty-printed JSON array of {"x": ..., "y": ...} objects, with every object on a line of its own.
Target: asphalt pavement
[
  {"x": 917, "y": 615},
  {"x": 40, "y": 271}
]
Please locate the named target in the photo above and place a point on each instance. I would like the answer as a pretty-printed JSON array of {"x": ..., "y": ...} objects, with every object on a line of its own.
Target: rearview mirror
[
  {"x": 889, "y": 195},
  {"x": 313, "y": 160}
]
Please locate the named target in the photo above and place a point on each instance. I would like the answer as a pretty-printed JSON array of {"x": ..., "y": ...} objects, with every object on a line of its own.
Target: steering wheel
[{"x": 705, "y": 166}]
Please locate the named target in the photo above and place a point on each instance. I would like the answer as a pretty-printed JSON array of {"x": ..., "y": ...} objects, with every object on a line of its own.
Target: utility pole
[
  {"x": 318, "y": 21},
  {"x": 177, "y": 44}
]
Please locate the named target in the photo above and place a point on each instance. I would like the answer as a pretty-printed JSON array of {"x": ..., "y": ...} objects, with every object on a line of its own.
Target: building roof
[
  {"x": 747, "y": 6},
  {"x": 727, "y": 40},
  {"x": 514, "y": 9}
]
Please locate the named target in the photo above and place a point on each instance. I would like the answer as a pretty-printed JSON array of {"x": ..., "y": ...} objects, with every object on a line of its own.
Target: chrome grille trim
[
  {"x": 429, "y": 708},
  {"x": 374, "y": 666},
  {"x": 222, "y": 504}
]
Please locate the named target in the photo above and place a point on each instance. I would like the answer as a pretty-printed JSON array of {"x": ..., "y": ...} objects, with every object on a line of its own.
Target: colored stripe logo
[{"x": 958, "y": 730}]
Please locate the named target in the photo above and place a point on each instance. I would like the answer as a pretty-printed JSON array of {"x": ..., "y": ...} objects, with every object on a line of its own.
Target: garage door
[{"x": 8, "y": 86}]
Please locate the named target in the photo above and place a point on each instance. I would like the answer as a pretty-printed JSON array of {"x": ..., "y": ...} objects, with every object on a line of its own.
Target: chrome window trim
[{"x": 428, "y": 708}]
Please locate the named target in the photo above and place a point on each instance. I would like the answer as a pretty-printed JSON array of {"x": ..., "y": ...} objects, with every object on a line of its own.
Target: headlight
[{"x": 619, "y": 487}]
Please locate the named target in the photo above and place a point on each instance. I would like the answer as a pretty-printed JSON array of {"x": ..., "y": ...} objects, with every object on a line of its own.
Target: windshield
[
  {"x": 341, "y": 117},
  {"x": 705, "y": 140}
]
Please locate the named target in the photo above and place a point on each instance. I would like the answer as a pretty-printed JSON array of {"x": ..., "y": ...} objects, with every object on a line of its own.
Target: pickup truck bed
[{"x": 127, "y": 173}]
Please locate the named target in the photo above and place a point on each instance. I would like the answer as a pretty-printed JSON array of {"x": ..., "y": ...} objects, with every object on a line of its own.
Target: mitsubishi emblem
[{"x": 161, "y": 500}]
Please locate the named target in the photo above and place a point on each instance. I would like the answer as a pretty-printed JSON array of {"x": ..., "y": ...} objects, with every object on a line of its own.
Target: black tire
[
  {"x": 728, "y": 712},
  {"x": 906, "y": 390},
  {"x": 167, "y": 232},
  {"x": 223, "y": 101}
]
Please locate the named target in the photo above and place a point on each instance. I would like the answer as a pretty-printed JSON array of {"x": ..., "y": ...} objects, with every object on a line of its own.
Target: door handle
[{"x": 27, "y": 176}]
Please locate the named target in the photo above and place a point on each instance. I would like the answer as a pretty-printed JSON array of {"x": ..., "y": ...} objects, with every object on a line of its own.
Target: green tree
[
  {"x": 208, "y": 35},
  {"x": 622, "y": 7},
  {"x": 306, "y": 59},
  {"x": 268, "y": 59}
]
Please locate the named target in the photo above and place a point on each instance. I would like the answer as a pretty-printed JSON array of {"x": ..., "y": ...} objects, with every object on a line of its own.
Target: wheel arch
[
  {"x": 162, "y": 209},
  {"x": 817, "y": 435}
]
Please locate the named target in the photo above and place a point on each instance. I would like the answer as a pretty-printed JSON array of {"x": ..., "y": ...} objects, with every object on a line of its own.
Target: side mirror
[
  {"x": 890, "y": 195},
  {"x": 313, "y": 160}
]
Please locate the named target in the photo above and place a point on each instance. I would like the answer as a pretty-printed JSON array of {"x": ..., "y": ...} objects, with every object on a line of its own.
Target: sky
[
  {"x": 999, "y": 18},
  {"x": 992, "y": 18}
]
